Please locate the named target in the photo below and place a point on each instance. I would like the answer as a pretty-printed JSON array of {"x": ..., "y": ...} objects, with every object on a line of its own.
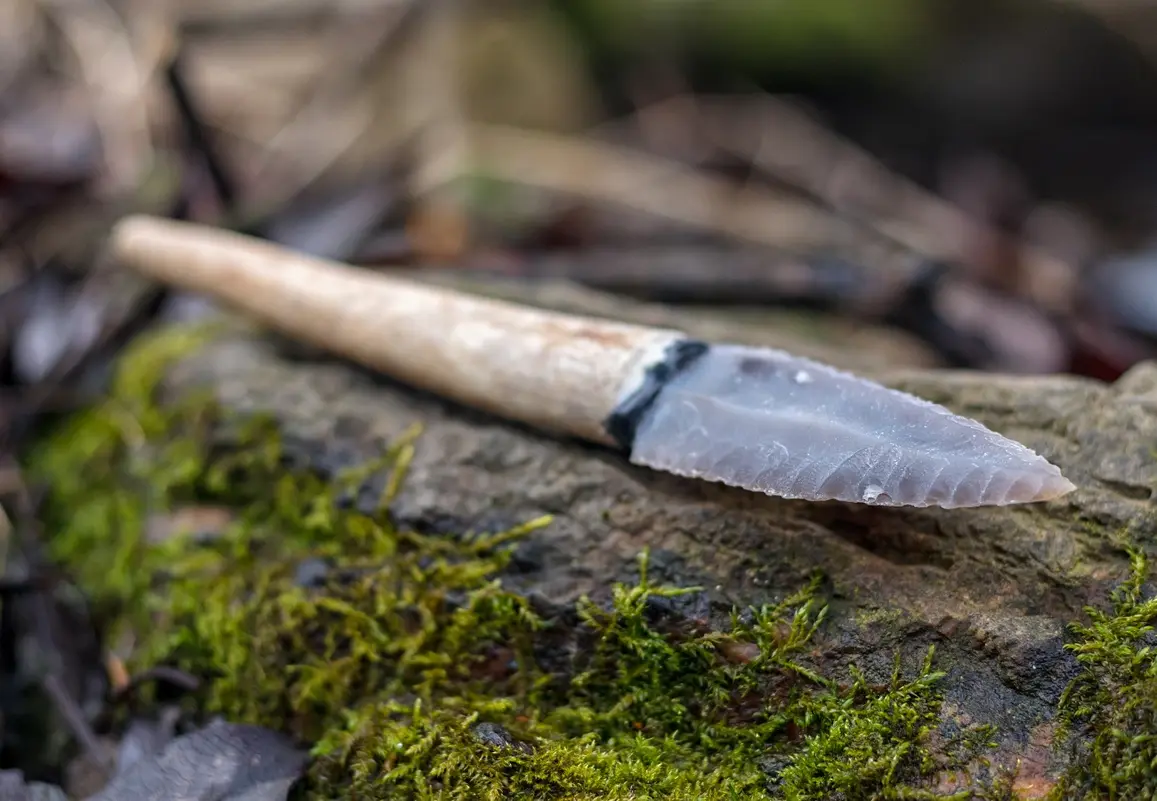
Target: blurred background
[
  {"x": 914, "y": 183},
  {"x": 977, "y": 177}
]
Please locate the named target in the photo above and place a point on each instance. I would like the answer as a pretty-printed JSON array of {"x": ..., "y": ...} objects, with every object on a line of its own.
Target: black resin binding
[{"x": 623, "y": 422}]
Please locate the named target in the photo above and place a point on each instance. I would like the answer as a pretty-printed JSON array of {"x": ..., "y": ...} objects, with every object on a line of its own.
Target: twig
[
  {"x": 21, "y": 31},
  {"x": 665, "y": 189},
  {"x": 111, "y": 68},
  {"x": 197, "y": 132},
  {"x": 159, "y": 673},
  {"x": 264, "y": 15},
  {"x": 432, "y": 99},
  {"x": 440, "y": 147},
  {"x": 40, "y": 613},
  {"x": 1132, "y": 20},
  {"x": 795, "y": 148},
  {"x": 69, "y": 710},
  {"x": 338, "y": 111}
]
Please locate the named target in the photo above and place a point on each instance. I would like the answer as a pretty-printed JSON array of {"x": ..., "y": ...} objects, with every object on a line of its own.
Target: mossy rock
[{"x": 468, "y": 609}]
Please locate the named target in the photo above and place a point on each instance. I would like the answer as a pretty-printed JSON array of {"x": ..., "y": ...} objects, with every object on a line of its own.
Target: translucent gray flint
[{"x": 775, "y": 423}]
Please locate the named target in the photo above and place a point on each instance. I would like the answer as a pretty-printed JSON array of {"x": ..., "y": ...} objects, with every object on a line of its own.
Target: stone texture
[{"x": 993, "y": 588}]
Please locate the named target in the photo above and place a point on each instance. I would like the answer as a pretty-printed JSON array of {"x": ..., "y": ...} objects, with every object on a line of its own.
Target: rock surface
[{"x": 992, "y": 588}]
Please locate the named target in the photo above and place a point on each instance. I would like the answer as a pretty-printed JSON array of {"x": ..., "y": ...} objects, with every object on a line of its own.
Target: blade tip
[
  {"x": 1054, "y": 486},
  {"x": 1058, "y": 487}
]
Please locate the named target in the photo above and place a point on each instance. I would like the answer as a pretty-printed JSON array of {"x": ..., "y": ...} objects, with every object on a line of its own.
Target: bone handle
[{"x": 559, "y": 372}]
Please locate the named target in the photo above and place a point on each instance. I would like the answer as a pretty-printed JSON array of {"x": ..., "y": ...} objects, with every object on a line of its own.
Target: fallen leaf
[
  {"x": 146, "y": 739},
  {"x": 222, "y": 762},
  {"x": 14, "y": 788}
]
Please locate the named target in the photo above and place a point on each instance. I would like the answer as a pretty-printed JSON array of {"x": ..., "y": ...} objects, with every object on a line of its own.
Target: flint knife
[{"x": 756, "y": 418}]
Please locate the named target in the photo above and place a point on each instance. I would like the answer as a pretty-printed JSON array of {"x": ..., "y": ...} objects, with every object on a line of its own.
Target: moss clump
[
  {"x": 112, "y": 466},
  {"x": 1114, "y": 699},
  {"x": 410, "y": 667},
  {"x": 870, "y": 742}
]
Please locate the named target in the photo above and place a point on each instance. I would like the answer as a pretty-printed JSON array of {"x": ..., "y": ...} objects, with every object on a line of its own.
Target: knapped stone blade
[{"x": 771, "y": 422}]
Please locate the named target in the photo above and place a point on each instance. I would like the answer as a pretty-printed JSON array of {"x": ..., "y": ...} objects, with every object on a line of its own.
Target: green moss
[
  {"x": 1114, "y": 699},
  {"x": 117, "y": 463},
  {"x": 413, "y": 670},
  {"x": 871, "y": 742}
]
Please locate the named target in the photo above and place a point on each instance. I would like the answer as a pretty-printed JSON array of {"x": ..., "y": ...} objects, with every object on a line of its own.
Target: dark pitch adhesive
[{"x": 623, "y": 422}]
